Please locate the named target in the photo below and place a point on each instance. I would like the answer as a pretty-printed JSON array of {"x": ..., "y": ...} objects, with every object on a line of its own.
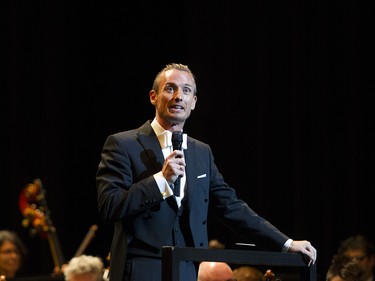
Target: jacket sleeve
[{"x": 125, "y": 187}]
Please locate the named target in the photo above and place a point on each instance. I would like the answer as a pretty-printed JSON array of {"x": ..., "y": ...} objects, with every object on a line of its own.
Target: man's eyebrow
[{"x": 188, "y": 85}]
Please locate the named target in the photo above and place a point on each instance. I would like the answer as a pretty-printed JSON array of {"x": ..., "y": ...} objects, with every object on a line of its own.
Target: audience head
[
  {"x": 215, "y": 244},
  {"x": 84, "y": 268},
  {"x": 343, "y": 268},
  {"x": 248, "y": 273},
  {"x": 12, "y": 253},
  {"x": 361, "y": 250},
  {"x": 214, "y": 271}
]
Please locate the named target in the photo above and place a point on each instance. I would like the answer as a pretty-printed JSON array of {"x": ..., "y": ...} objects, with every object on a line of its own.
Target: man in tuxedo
[{"x": 137, "y": 185}]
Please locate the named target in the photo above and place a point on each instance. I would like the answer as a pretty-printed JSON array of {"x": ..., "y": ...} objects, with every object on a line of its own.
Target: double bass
[{"x": 33, "y": 206}]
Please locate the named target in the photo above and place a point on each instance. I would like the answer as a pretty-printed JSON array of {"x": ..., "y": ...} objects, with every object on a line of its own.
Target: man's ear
[
  {"x": 153, "y": 97},
  {"x": 195, "y": 101}
]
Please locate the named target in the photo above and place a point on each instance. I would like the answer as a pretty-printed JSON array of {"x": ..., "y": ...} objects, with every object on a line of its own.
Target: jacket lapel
[{"x": 150, "y": 142}]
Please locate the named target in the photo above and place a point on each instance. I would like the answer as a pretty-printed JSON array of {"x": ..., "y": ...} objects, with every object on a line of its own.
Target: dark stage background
[{"x": 285, "y": 99}]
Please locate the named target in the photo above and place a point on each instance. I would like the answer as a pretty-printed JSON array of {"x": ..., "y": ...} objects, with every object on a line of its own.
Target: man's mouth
[{"x": 176, "y": 107}]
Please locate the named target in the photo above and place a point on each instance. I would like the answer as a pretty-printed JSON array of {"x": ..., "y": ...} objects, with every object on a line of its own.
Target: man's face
[{"x": 175, "y": 98}]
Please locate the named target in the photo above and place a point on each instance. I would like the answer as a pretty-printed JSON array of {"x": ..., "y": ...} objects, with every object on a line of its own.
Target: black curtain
[{"x": 285, "y": 99}]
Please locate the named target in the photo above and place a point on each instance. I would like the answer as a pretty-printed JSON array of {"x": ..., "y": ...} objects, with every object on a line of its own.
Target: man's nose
[{"x": 178, "y": 94}]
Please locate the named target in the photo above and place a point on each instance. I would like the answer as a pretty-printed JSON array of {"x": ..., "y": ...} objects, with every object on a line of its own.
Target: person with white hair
[{"x": 84, "y": 268}]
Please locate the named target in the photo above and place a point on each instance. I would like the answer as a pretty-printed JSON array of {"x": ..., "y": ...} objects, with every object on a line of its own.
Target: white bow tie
[{"x": 165, "y": 139}]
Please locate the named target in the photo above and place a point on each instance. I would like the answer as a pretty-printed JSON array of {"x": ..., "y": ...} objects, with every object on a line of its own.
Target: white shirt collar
[{"x": 165, "y": 136}]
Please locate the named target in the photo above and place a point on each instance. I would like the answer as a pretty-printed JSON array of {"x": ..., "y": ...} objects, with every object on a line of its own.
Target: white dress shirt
[{"x": 165, "y": 140}]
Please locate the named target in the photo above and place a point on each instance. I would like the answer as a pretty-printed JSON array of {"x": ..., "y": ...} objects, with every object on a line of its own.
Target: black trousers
[{"x": 149, "y": 269}]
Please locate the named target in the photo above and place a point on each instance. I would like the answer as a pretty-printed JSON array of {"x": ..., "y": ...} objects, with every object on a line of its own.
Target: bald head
[{"x": 214, "y": 271}]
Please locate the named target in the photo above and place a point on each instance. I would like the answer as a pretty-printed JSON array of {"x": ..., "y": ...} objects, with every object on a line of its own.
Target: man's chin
[{"x": 176, "y": 119}]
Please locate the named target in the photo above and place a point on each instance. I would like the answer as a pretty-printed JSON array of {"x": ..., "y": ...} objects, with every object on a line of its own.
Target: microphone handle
[
  {"x": 176, "y": 187},
  {"x": 177, "y": 138}
]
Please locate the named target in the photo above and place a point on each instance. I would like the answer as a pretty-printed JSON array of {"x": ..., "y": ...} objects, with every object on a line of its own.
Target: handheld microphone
[{"x": 177, "y": 138}]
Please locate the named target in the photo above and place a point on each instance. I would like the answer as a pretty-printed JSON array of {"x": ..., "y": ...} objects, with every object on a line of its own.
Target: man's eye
[
  {"x": 187, "y": 90},
  {"x": 169, "y": 89}
]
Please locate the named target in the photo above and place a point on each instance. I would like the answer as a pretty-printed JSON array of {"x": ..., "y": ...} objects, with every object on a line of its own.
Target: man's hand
[
  {"x": 304, "y": 247},
  {"x": 174, "y": 166}
]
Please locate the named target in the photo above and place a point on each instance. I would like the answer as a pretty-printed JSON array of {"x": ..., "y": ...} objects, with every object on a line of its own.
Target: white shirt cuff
[
  {"x": 287, "y": 245},
  {"x": 163, "y": 185}
]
